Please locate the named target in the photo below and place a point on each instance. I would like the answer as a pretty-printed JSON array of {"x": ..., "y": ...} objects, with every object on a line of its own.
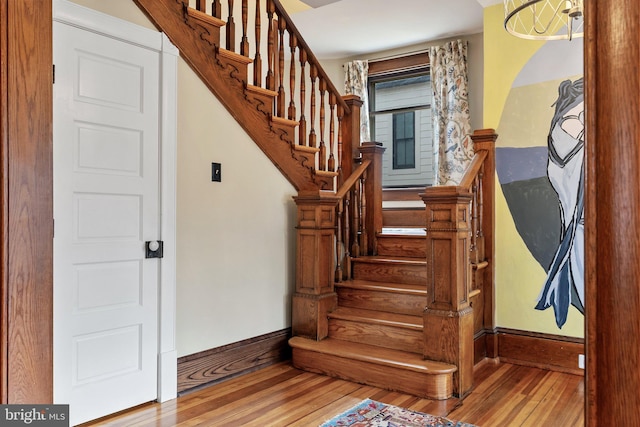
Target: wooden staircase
[
  {"x": 375, "y": 335},
  {"x": 392, "y": 310}
]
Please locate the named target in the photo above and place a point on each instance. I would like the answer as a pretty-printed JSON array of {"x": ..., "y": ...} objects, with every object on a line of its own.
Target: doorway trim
[{"x": 87, "y": 19}]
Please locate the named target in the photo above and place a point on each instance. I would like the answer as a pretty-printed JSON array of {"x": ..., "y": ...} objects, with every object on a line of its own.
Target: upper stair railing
[{"x": 303, "y": 93}]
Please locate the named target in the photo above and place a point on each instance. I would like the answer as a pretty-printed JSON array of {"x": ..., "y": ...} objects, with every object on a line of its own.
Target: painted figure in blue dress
[{"x": 565, "y": 169}]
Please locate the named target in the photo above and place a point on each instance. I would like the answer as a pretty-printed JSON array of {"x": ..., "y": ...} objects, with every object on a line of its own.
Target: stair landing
[{"x": 376, "y": 366}]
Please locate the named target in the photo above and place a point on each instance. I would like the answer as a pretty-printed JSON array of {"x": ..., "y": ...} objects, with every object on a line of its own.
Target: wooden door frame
[
  {"x": 612, "y": 201},
  {"x": 613, "y": 300},
  {"x": 26, "y": 197}
]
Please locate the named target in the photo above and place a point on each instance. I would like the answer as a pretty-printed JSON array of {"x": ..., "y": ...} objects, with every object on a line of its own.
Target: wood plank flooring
[{"x": 280, "y": 395}]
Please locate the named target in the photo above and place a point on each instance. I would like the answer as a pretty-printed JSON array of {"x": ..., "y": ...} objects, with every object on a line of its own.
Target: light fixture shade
[{"x": 544, "y": 19}]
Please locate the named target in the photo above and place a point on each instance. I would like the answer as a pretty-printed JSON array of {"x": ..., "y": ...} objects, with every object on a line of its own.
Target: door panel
[{"x": 106, "y": 205}]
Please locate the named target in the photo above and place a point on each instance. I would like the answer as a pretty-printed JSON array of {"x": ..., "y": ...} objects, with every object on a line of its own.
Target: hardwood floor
[{"x": 280, "y": 395}]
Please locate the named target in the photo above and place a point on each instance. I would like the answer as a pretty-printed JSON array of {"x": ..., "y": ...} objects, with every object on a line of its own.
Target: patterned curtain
[
  {"x": 451, "y": 123},
  {"x": 355, "y": 83}
]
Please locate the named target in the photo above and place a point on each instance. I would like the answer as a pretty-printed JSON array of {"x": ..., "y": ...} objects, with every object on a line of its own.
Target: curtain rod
[{"x": 399, "y": 55}]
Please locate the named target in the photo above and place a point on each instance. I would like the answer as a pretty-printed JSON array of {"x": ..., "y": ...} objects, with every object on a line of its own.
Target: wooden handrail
[
  {"x": 473, "y": 170},
  {"x": 351, "y": 181}
]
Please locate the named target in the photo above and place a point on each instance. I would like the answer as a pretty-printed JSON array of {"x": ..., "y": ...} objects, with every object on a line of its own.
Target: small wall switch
[
  {"x": 216, "y": 172},
  {"x": 581, "y": 361}
]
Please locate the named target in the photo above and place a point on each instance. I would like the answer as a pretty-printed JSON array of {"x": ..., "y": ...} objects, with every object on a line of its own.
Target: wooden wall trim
[
  {"x": 222, "y": 363},
  {"x": 27, "y": 201},
  {"x": 545, "y": 351},
  {"x": 4, "y": 191},
  {"x": 612, "y": 211}
]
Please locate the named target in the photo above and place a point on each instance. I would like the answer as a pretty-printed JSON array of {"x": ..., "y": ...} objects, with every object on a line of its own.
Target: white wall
[{"x": 236, "y": 238}]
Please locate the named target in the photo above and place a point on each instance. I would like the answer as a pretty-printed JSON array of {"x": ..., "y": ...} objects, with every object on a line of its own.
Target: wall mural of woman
[
  {"x": 539, "y": 163},
  {"x": 565, "y": 169}
]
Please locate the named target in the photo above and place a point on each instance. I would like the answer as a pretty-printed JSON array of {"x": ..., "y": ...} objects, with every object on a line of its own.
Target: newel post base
[
  {"x": 315, "y": 265},
  {"x": 448, "y": 316},
  {"x": 449, "y": 338}
]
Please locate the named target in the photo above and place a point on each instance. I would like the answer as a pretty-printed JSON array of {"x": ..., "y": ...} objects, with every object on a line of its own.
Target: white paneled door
[{"x": 106, "y": 205}]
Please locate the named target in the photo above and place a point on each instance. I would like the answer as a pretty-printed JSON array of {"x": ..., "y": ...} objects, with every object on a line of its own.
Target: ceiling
[{"x": 344, "y": 28}]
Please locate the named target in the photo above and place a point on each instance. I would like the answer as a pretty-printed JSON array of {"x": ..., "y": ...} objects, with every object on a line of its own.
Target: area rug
[{"x": 370, "y": 413}]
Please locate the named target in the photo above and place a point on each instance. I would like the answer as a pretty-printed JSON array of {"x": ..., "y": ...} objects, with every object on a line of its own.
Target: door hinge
[{"x": 54, "y": 73}]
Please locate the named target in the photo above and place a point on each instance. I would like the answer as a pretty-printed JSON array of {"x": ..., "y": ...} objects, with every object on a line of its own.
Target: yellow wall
[{"x": 519, "y": 277}]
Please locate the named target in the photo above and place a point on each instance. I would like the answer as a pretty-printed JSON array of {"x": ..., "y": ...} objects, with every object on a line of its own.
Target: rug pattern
[{"x": 370, "y": 413}]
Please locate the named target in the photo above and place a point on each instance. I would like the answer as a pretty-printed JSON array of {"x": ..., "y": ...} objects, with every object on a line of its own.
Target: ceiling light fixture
[{"x": 544, "y": 19}]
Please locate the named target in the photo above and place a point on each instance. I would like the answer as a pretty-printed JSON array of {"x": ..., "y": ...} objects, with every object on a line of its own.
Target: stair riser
[
  {"x": 382, "y": 301},
  {"x": 413, "y": 274},
  {"x": 402, "y": 246},
  {"x": 386, "y": 336},
  {"x": 404, "y": 218},
  {"x": 430, "y": 386}
]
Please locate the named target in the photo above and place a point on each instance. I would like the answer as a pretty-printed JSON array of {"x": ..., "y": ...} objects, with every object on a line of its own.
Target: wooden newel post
[
  {"x": 315, "y": 265},
  {"x": 448, "y": 317},
  {"x": 351, "y": 133},
  {"x": 373, "y": 193}
]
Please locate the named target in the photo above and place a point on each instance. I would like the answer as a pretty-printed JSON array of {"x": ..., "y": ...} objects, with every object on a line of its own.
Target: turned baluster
[
  {"x": 302, "y": 127},
  {"x": 257, "y": 61},
  {"x": 364, "y": 240},
  {"x": 282, "y": 26},
  {"x": 216, "y": 9},
  {"x": 340, "y": 117},
  {"x": 231, "y": 29},
  {"x": 201, "y": 5},
  {"x": 271, "y": 52},
  {"x": 323, "y": 149},
  {"x": 339, "y": 241},
  {"x": 474, "y": 219},
  {"x": 312, "y": 132},
  {"x": 480, "y": 202},
  {"x": 480, "y": 243},
  {"x": 293, "y": 44},
  {"x": 332, "y": 132},
  {"x": 347, "y": 234},
  {"x": 355, "y": 220},
  {"x": 244, "y": 44}
]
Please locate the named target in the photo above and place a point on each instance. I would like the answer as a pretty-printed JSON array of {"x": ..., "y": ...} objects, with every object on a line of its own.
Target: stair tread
[
  {"x": 378, "y": 317},
  {"x": 372, "y": 354},
  {"x": 382, "y": 259},
  {"x": 404, "y": 232},
  {"x": 205, "y": 17},
  {"x": 404, "y": 208},
  {"x": 384, "y": 286},
  {"x": 234, "y": 56}
]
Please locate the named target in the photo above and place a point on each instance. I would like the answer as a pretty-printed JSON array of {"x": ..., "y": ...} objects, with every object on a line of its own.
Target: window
[
  {"x": 404, "y": 141},
  {"x": 400, "y": 119}
]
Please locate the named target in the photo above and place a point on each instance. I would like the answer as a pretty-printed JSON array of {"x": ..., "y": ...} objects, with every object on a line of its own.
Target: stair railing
[
  {"x": 351, "y": 234},
  {"x": 303, "y": 91},
  {"x": 472, "y": 182},
  {"x": 359, "y": 210},
  {"x": 459, "y": 225}
]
